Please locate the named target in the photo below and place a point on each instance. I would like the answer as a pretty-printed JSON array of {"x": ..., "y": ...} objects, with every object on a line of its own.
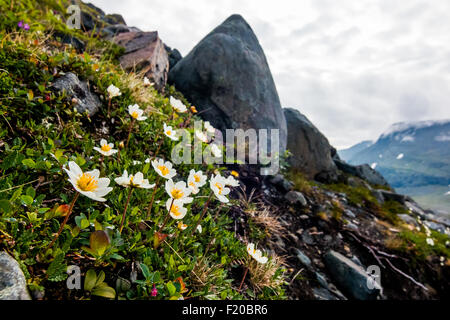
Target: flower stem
[
  {"x": 167, "y": 217},
  {"x": 159, "y": 146},
  {"x": 65, "y": 220},
  {"x": 125, "y": 209},
  {"x": 149, "y": 209},
  {"x": 129, "y": 132},
  {"x": 203, "y": 213},
  {"x": 243, "y": 278},
  {"x": 109, "y": 107}
]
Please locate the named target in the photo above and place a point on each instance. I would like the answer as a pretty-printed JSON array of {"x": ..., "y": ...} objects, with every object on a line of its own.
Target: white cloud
[{"x": 352, "y": 67}]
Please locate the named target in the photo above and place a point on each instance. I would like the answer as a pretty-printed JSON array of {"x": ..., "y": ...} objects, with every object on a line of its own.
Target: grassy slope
[{"x": 40, "y": 132}]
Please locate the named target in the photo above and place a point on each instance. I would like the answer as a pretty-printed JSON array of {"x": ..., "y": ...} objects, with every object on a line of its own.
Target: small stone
[
  {"x": 295, "y": 197},
  {"x": 304, "y": 259},
  {"x": 349, "y": 213},
  {"x": 322, "y": 280}
]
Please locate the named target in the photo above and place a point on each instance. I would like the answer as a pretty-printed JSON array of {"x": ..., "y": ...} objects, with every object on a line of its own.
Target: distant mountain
[
  {"x": 352, "y": 151},
  {"x": 413, "y": 157}
]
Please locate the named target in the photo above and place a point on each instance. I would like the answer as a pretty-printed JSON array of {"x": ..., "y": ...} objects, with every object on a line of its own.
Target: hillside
[
  {"x": 95, "y": 206},
  {"x": 414, "y": 158}
]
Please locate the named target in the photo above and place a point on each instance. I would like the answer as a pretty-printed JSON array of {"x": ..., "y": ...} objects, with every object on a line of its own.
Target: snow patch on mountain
[
  {"x": 400, "y": 156},
  {"x": 443, "y": 137}
]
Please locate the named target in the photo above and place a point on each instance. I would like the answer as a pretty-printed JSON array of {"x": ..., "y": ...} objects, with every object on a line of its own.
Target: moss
[
  {"x": 300, "y": 182},
  {"x": 355, "y": 195}
]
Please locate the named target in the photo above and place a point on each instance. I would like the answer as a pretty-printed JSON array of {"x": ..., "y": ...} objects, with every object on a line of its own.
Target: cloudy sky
[{"x": 352, "y": 67}]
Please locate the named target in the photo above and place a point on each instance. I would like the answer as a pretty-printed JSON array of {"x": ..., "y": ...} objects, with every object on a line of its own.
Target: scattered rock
[
  {"x": 408, "y": 219},
  {"x": 144, "y": 52},
  {"x": 435, "y": 226},
  {"x": 226, "y": 75},
  {"x": 392, "y": 196},
  {"x": 65, "y": 38},
  {"x": 281, "y": 183},
  {"x": 349, "y": 213},
  {"x": 13, "y": 285},
  {"x": 378, "y": 196},
  {"x": 174, "y": 56},
  {"x": 352, "y": 226},
  {"x": 311, "y": 151},
  {"x": 322, "y": 280},
  {"x": 295, "y": 197},
  {"x": 306, "y": 238},
  {"x": 323, "y": 294},
  {"x": 79, "y": 90},
  {"x": 304, "y": 259},
  {"x": 350, "y": 277}
]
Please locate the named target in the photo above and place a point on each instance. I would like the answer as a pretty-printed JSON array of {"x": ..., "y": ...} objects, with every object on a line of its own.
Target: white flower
[
  {"x": 209, "y": 127},
  {"x": 430, "y": 242},
  {"x": 113, "y": 91},
  {"x": 106, "y": 148},
  {"x": 202, "y": 136},
  {"x": 178, "y": 191},
  {"x": 147, "y": 160},
  {"x": 164, "y": 169},
  {"x": 136, "y": 112},
  {"x": 182, "y": 226},
  {"x": 177, "y": 105},
  {"x": 218, "y": 186},
  {"x": 136, "y": 181},
  {"x": 136, "y": 162},
  {"x": 169, "y": 132},
  {"x": 256, "y": 254},
  {"x": 147, "y": 82},
  {"x": 231, "y": 181},
  {"x": 196, "y": 180},
  {"x": 199, "y": 229},
  {"x": 88, "y": 183},
  {"x": 176, "y": 209},
  {"x": 216, "y": 150}
]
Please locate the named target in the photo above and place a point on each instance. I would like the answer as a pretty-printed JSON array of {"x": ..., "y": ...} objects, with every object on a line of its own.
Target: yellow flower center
[
  {"x": 177, "y": 193},
  {"x": 164, "y": 170},
  {"x": 87, "y": 183},
  {"x": 106, "y": 147},
  {"x": 196, "y": 178},
  {"x": 220, "y": 187},
  {"x": 234, "y": 173},
  {"x": 135, "y": 114},
  {"x": 168, "y": 132},
  {"x": 175, "y": 210}
]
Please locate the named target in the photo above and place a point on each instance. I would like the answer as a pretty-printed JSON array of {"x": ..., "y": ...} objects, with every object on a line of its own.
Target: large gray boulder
[
  {"x": 13, "y": 285},
  {"x": 227, "y": 77},
  {"x": 350, "y": 277},
  {"x": 311, "y": 151},
  {"x": 71, "y": 85}
]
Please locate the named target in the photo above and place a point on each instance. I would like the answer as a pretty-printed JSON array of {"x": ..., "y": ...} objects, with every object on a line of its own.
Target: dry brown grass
[
  {"x": 266, "y": 275},
  {"x": 144, "y": 95},
  {"x": 205, "y": 275}
]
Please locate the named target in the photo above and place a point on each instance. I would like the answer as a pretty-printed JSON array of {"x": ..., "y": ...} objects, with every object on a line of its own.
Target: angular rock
[
  {"x": 226, "y": 75},
  {"x": 304, "y": 259},
  {"x": 363, "y": 171},
  {"x": 350, "y": 277},
  {"x": 65, "y": 38},
  {"x": 323, "y": 294},
  {"x": 435, "y": 226},
  {"x": 115, "y": 29},
  {"x": 311, "y": 151},
  {"x": 114, "y": 19},
  {"x": 295, "y": 197},
  {"x": 349, "y": 213},
  {"x": 408, "y": 219},
  {"x": 174, "y": 56},
  {"x": 74, "y": 88},
  {"x": 144, "y": 52},
  {"x": 281, "y": 183},
  {"x": 392, "y": 196},
  {"x": 13, "y": 285}
]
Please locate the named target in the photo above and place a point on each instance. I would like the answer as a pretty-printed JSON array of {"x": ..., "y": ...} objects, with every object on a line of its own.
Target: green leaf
[
  {"x": 145, "y": 271},
  {"x": 171, "y": 288},
  {"x": 57, "y": 269},
  {"x": 31, "y": 192},
  {"x": 99, "y": 241},
  {"x": 105, "y": 292},
  {"x": 5, "y": 205},
  {"x": 29, "y": 163},
  {"x": 84, "y": 223},
  {"x": 26, "y": 200},
  {"x": 100, "y": 279},
  {"x": 90, "y": 280}
]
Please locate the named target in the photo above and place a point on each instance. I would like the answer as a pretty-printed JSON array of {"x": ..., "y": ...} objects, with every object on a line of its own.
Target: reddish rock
[{"x": 144, "y": 51}]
